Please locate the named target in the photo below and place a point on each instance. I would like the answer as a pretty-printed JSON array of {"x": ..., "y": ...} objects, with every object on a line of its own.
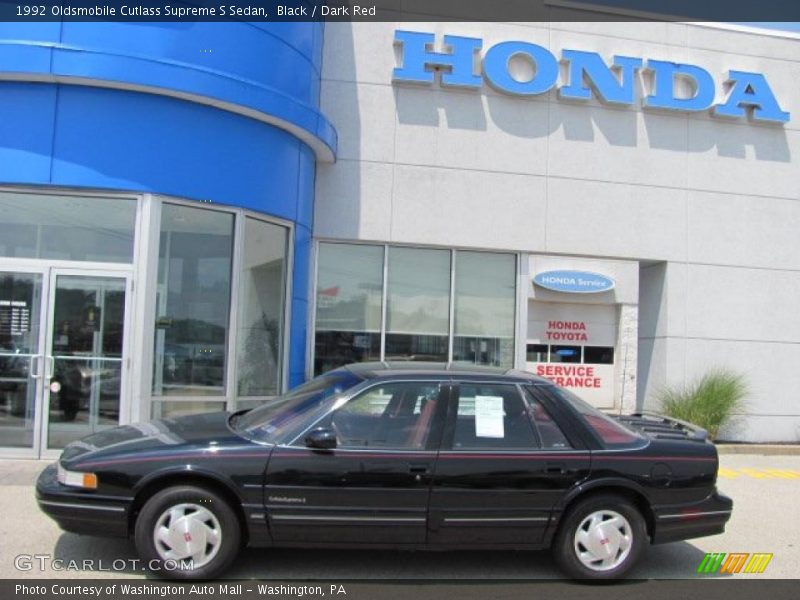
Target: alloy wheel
[
  {"x": 603, "y": 540},
  {"x": 187, "y": 531}
]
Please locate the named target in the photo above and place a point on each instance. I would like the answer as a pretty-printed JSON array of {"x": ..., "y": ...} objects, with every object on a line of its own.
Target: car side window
[
  {"x": 391, "y": 416},
  {"x": 549, "y": 432},
  {"x": 492, "y": 417}
]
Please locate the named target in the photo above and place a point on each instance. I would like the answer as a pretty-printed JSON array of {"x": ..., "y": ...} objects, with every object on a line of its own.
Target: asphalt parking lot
[{"x": 764, "y": 489}]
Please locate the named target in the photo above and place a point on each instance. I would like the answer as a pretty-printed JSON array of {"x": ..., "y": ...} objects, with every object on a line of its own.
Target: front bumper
[
  {"x": 79, "y": 511},
  {"x": 674, "y": 523}
]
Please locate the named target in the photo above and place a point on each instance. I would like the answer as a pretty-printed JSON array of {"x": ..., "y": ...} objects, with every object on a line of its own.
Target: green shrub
[{"x": 710, "y": 402}]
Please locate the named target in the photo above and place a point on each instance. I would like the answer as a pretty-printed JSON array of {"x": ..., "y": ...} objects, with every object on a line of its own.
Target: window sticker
[{"x": 489, "y": 417}]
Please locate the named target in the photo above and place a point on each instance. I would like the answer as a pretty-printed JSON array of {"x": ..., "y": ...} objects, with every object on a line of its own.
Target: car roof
[{"x": 413, "y": 369}]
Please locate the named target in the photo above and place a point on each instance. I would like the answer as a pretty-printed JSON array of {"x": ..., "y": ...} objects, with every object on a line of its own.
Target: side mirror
[{"x": 322, "y": 438}]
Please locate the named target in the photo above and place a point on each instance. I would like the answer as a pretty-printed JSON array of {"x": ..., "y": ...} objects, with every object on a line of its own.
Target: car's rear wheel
[
  {"x": 187, "y": 532},
  {"x": 601, "y": 537}
]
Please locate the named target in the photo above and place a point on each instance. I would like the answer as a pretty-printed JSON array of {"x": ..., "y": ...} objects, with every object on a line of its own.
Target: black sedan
[{"x": 395, "y": 456}]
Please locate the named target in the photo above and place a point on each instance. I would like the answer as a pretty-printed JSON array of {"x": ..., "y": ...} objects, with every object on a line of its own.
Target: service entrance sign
[{"x": 574, "y": 345}]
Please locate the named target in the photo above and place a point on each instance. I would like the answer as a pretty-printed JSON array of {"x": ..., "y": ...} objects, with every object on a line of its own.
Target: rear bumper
[
  {"x": 79, "y": 512},
  {"x": 674, "y": 523}
]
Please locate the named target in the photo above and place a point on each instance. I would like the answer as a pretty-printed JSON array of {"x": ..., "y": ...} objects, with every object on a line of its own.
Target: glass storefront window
[
  {"x": 598, "y": 355},
  {"x": 66, "y": 227},
  {"x": 180, "y": 408},
  {"x": 192, "y": 301},
  {"x": 418, "y": 297},
  {"x": 349, "y": 294},
  {"x": 485, "y": 294},
  {"x": 261, "y": 308},
  {"x": 536, "y": 353},
  {"x": 592, "y": 355},
  {"x": 418, "y": 304},
  {"x": 68, "y": 357},
  {"x": 565, "y": 354}
]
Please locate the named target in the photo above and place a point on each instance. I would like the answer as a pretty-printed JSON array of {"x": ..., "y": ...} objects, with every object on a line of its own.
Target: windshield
[
  {"x": 609, "y": 430},
  {"x": 287, "y": 416}
]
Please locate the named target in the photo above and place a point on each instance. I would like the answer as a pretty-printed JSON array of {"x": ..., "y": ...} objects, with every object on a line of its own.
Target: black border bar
[{"x": 267, "y": 11}]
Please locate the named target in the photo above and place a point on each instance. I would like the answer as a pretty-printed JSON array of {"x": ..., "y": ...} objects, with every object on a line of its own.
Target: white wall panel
[
  {"x": 746, "y": 231},
  {"x": 468, "y": 208},
  {"x": 662, "y": 300},
  {"x": 742, "y": 304},
  {"x": 353, "y": 200},
  {"x": 611, "y": 219},
  {"x": 759, "y": 160},
  {"x": 467, "y": 130},
  {"x": 605, "y": 144},
  {"x": 359, "y": 52},
  {"x": 368, "y": 132}
]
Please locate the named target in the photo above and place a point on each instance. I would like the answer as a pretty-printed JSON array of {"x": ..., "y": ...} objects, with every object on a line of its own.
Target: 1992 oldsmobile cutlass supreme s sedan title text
[{"x": 404, "y": 456}]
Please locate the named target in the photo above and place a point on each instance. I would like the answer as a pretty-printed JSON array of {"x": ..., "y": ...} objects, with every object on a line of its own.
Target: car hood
[{"x": 192, "y": 430}]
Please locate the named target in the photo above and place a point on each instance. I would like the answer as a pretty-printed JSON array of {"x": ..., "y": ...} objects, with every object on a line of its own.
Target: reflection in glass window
[
  {"x": 396, "y": 416},
  {"x": 612, "y": 432},
  {"x": 349, "y": 291},
  {"x": 485, "y": 293},
  {"x": 181, "y": 408},
  {"x": 565, "y": 354},
  {"x": 193, "y": 301},
  {"x": 20, "y": 302},
  {"x": 490, "y": 417},
  {"x": 549, "y": 432},
  {"x": 67, "y": 227},
  {"x": 86, "y": 341},
  {"x": 598, "y": 355},
  {"x": 536, "y": 353},
  {"x": 261, "y": 308},
  {"x": 418, "y": 304}
]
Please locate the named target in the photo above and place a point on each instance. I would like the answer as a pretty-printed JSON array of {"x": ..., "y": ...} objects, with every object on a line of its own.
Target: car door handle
[
  {"x": 418, "y": 468},
  {"x": 555, "y": 467}
]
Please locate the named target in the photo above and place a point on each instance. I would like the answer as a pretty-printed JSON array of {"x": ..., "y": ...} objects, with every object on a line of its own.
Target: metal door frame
[
  {"x": 36, "y": 365},
  {"x": 124, "y": 396},
  {"x": 49, "y": 270}
]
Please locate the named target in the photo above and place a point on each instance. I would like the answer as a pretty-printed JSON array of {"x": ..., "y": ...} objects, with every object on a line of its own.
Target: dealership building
[{"x": 200, "y": 216}]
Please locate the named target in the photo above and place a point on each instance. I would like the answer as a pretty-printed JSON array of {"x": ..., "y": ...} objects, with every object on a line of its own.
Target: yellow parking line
[
  {"x": 783, "y": 473},
  {"x": 755, "y": 473},
  {"x": 758, "y": 473},
  {"x": 727, "y": 473}
]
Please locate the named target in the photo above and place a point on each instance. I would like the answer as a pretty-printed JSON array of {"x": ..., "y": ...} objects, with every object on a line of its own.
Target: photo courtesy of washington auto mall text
[{"x": 77, "y": 589}]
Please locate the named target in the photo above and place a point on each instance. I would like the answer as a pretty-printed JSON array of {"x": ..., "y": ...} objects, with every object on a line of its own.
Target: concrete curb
[{"x": 763, "y": 449}]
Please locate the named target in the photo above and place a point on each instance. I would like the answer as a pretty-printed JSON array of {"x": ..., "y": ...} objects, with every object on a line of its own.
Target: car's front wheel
[
  {"x": 187, "y": 532},
  {"x": 601, "y": 537}
]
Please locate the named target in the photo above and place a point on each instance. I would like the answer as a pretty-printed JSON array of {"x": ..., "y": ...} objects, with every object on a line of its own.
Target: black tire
[
  {"x": 153, "y": 510},
  {"x": 566, "y": 554}
]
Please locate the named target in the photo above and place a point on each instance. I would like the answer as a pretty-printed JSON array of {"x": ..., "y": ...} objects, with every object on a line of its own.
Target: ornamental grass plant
[{"x": 711, "y": 401}]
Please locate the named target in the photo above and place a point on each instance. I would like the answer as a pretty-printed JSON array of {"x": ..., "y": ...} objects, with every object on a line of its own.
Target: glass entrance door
[
  {"x": 22, "y": 296},
  {"x": 62, "y": 357},
  {"x": 83, "y": 371}
]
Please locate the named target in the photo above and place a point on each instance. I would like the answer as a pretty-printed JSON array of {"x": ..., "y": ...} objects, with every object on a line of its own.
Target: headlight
[{"x": 76, "y": 479}]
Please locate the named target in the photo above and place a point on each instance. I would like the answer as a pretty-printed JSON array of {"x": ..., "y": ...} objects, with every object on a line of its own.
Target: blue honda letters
[{"x": 747, "y": 94}]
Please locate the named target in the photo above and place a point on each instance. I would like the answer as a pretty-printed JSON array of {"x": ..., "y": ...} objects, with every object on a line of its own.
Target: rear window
[{"x": 610, "y": 431}]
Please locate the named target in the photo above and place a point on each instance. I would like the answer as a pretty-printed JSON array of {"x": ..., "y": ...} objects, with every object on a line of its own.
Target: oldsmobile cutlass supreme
[{"x": 399, "y": 456}]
